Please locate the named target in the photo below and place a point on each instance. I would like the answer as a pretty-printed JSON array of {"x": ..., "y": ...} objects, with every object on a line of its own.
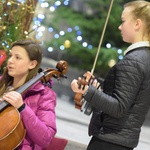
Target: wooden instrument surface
[{"x": 11, "y": 129}]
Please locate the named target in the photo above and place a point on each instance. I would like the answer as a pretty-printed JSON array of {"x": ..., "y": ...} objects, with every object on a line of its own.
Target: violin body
[
  {"x": 78, "y": 100},
  {"x": 80, "y": 103},
  {"x": 12, "y": 131}
]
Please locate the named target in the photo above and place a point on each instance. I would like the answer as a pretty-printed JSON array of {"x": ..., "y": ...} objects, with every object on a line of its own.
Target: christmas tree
[
  {"x": 76, "y": 27},
  {"x": 15, "y": 19}
]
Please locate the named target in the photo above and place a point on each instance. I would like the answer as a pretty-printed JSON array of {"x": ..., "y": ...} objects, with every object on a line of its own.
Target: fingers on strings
[{"x": 82, "y": 82}]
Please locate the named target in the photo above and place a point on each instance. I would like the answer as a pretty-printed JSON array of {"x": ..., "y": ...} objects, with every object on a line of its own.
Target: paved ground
[
  {"x": 73, "y": 126},
  {"x": 75, "y": 146}
]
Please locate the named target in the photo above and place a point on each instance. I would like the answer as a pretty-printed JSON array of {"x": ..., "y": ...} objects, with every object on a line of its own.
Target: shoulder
[
  {"x": 137, "y": 57},
  {"x": 40, "y": 95},
  {"x": 136, "y": 62},
  {"x": 40, "y": 89},
  {"x": 139, "y": 54}
]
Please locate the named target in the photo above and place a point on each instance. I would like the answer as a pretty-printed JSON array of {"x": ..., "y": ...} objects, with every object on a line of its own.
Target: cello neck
[
  {"x": 28, "y": 84},
  {"x": 44, "y": 76},
  {"x": 22, "y": 89}
]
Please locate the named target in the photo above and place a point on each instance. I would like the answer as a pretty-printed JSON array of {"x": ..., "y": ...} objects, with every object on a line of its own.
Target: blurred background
[{"x": 67, "y": 30}]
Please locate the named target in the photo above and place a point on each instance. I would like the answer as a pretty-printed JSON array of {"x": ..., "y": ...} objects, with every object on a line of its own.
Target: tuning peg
[{"x": 63, "y": 76}]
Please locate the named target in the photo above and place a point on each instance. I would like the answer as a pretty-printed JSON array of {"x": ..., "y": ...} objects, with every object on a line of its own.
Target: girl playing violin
[{"x": 120, "y": 108}]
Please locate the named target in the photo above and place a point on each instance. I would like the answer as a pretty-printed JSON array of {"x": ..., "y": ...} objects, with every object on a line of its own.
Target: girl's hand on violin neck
[
  {"x": 14, "y": 98},
  {"x": 78, "y": 88}
]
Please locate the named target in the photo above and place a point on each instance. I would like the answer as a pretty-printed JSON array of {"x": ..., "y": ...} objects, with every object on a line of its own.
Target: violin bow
[
  {"x": 87, "y": 108},
  {"x": 102, "y": 37}
]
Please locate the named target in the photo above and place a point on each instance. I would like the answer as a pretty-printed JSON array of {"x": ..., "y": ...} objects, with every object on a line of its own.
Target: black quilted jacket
[{"x": 120, "y": 110}]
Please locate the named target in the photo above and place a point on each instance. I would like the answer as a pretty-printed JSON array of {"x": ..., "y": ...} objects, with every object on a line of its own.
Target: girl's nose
[
  {"x": 10, "y": 59},
  {"x": 119, "y": 27}
]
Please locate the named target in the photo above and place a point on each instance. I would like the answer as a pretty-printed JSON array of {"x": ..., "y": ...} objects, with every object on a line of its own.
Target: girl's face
[
  {"x": 19, "y": 63},
  {"x": 127, "y": 27}
]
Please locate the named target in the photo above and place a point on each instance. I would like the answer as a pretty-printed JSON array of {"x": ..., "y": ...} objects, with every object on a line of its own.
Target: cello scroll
[{"x": 59, "y": 72}]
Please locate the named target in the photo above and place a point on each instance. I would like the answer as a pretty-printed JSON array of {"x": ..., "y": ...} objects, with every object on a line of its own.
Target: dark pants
[{"x": 97, "y": 144}]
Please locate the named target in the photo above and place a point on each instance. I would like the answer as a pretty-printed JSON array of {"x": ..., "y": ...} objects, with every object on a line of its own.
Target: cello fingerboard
[
  {"x": 3, "y": 105},
  {"x": 22, "y": 89}
]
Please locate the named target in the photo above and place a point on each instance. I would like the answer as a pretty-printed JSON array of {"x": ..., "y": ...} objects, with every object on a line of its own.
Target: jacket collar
[{"x": 136, "y": 45}]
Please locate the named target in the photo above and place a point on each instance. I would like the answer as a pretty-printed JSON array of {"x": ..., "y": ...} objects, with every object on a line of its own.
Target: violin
[
  {"x": 12, "y": 131},
  {"x": 87, "y": 79},
  {"x": 80, "y": 103}
]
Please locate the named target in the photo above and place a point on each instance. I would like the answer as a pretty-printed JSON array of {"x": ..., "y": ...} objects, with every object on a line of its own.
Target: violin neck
[{"x": 22, "y": 89}]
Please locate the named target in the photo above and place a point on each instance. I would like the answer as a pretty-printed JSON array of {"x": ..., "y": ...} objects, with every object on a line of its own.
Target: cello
[
  {"x": 12, "y": 131},
  {"x": 80, "y": 103}
]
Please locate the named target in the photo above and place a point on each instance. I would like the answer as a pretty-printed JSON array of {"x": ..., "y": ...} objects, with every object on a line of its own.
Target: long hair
[{"x": 34, "y": 52}]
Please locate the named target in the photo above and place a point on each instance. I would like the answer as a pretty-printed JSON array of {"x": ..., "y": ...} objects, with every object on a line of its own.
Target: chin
[
  {"x": 11, "y": 74},
  {"x": 127, "y": 41}
]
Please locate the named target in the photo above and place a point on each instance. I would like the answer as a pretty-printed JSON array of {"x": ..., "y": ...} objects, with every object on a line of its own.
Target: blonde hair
[{"x": 141, "y": 10}]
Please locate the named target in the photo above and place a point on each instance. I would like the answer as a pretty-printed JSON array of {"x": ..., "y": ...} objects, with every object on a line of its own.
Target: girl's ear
[
  {"x": 33, "y": 64},
  {"x": 138, "y": 24}
]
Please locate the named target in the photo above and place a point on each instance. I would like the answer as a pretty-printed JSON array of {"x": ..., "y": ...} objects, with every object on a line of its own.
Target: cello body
[{"x": 12, "y": 131}]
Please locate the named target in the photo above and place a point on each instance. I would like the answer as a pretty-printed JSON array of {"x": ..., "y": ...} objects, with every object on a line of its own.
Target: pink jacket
[{"x": 38, "y": 117}]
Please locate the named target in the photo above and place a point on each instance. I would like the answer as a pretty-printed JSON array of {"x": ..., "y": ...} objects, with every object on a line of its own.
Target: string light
[
  {"x": 76, "y": 29},
  {"x": 39, "y": 18},
  {"x": 43, "y": 6},
  {"x": 15, "y": 18}
]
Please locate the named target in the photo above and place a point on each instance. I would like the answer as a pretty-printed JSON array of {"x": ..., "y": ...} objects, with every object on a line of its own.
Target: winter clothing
[
  {"x": 120, "y": 109},
  {"x": 98, "y": 144},
  {"x": 38, "y": 117}
]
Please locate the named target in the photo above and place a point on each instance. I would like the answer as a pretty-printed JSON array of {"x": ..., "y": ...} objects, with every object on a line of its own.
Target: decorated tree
[
  {"x": 75, "y": 28},
  {"x": 15, "y": 19},
  {"x": 72, "y": 29}
]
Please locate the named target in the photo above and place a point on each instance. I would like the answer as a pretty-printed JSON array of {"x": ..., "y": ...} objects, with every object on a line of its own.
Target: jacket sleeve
[
  {"x": 127, "y": 82},
  {"x": 41, "y": 126}
]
